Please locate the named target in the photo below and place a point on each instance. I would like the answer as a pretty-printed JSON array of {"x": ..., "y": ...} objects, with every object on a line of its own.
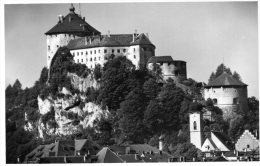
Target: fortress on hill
[{"x": 88, "y": 46}]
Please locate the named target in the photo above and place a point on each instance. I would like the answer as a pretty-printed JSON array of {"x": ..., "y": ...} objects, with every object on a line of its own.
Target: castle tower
[
  {"x": 227, "y": 93},
  {"x": 196, "y": 129},
  {"x": 68, "y": 28}
]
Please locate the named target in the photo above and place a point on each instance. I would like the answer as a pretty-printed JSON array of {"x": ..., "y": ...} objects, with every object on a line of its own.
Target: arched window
[{"x": 194, "y": 125}]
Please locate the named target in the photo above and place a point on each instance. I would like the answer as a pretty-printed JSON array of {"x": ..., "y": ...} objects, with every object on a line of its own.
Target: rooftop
[
  {"x": 163, "y": 59},
  {"x": 111, "y": 40},
  {"x": 73, "y": 23},
  {"x": 225, "y": 80}
]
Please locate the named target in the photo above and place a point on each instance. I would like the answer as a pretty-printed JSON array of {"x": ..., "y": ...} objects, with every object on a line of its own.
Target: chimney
[
  {"x": 86, "y": 40},
  {"x": 134, "y": 35},
  {"x": 85, "y": 158},
  {"x": 161, "y": 142},
  {"x": 136, "y": 157}
]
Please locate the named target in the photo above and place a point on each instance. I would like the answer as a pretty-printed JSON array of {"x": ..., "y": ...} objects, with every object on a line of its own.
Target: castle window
[
  {"x": 90, "y": 59},
  {"x": 98, "y": 58},
  {"x": 248, "y": 146},
  {"x": 86, "y": 59},
  {"x": 49, "y": 57},
  {"x": 73, "y": 53},
  {"x": 105, "y": 50},
  {"x": 134, "y": 49},
  {"x": 134, "y": 57},
  {"x": 81, "y": 53},
  {"x": 78, "y": 60},
  {"x": 98, "y": 51},
  {"x": 86, "y": 53},
  {"x": 77, "y": 53},
  {"x": 113, "y": 50},
  {"x": 124, "y": 50},
  {"x": 81, "y": 60},
  {"x": 194, "y": 125},
  {"x": 49, "y": 47},
  {"x": 95, "y": 59},
  {"x": 118, "y": 50},
  {"x": 235, "y": 101},
  {"x": 91, "y": 52},
  {"x": 215, "y": 101},
  {"x": 94, "y": 51},
  {"x": 57, "y": 46}
]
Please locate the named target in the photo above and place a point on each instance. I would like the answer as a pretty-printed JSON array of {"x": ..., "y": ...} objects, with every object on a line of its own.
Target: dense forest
[{"x": 143, "y": 107}]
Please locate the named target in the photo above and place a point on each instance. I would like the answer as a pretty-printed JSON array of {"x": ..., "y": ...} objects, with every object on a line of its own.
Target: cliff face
[
  {"x": 72, "y": 114},
  {"x": 82, "y": 84}
]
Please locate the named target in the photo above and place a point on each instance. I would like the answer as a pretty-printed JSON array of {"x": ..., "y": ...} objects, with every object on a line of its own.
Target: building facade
[
  {"x": 89, "y": 47},
  {"x": 247, "y": 142},
  {"x": 196, "y": 129}
]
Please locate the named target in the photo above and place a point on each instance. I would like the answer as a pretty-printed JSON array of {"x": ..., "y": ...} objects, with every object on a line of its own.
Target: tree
[
  {"x": 236, "y": 76},
  {"x": 104, "y": 127},
  {"x": 151, "y": 89},
  {"x": 97, "y": 72},
  {"x": 116, "y": 82},
  {"x": 131, "y": 115},
  {"x": 187, "y": 150},
  {"x": 162, "y": 114}
]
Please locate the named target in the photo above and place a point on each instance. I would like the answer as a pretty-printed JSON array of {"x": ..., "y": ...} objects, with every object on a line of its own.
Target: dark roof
[
  {"x": 113, "y": 40},
  {"x": 131, "y": 158},
  {"x": 139, "y": 148},
  {"x": 230, "y": 153},
  {"x": 226, "y": 141},
  {"x": 120, "y": 149},
  {"x": 73, "y": 24},
  {"x": 160, "y": 59},
  {"x": 105, "y": 155},
  {"x": 141, "y": 40},
  {"x": 225, "y": 79}
]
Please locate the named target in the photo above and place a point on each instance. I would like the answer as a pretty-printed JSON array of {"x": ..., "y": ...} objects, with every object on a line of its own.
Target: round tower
[
  {"x": 227, "y": 93},
  {"x": 70, "y": 27}
]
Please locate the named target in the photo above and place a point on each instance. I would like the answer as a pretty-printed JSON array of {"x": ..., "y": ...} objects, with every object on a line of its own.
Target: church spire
[{"x": 72, "y": 8}]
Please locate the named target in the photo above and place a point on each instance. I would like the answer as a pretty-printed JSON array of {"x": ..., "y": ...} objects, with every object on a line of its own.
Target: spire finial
[{"x": 72, "y": 9}]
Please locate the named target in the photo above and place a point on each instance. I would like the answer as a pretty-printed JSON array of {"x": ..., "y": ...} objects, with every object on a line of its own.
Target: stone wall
[
  {"x": 229, "y": 99},
  {"x": 56, "y": 41}
]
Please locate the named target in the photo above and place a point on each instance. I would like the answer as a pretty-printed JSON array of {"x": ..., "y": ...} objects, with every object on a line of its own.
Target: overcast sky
[{"x": 200, "y": 33}]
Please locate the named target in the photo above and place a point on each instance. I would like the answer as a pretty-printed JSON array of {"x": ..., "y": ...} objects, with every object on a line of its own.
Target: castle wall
[
  {"x": 175, "y": 70},
  {"x": 56, "y": 41},
  {"x": 229, "y": 99}
]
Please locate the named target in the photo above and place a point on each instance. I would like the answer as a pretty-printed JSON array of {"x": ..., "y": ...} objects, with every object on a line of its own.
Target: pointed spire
[{"x": 72, "y": 8}]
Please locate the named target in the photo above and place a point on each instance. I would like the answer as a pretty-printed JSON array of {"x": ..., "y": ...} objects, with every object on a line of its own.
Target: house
[{"x": 64, "y": 151}]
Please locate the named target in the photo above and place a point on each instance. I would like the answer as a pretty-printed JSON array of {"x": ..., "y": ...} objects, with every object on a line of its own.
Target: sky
[{"x": 204, "y": 34}]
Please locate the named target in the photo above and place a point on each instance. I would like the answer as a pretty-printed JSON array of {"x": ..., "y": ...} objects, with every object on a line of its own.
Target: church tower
[{"x": 196, "y": 129}]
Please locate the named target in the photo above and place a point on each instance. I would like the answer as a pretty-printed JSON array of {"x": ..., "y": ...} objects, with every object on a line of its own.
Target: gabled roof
[
  {"x": 73, "y": 24},
  {"x": 112, "y": 40},
  {"x": 224, "y": 140},
  {"x": 141, "y": 40},
  {"x": 105, "y": 155},
  {"x": 225, "y": 79},
  {"x": 160, "y": 59}
]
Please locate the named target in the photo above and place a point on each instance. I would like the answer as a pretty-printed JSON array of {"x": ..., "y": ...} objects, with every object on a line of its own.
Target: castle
[{"x": 89, "y": 47}]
